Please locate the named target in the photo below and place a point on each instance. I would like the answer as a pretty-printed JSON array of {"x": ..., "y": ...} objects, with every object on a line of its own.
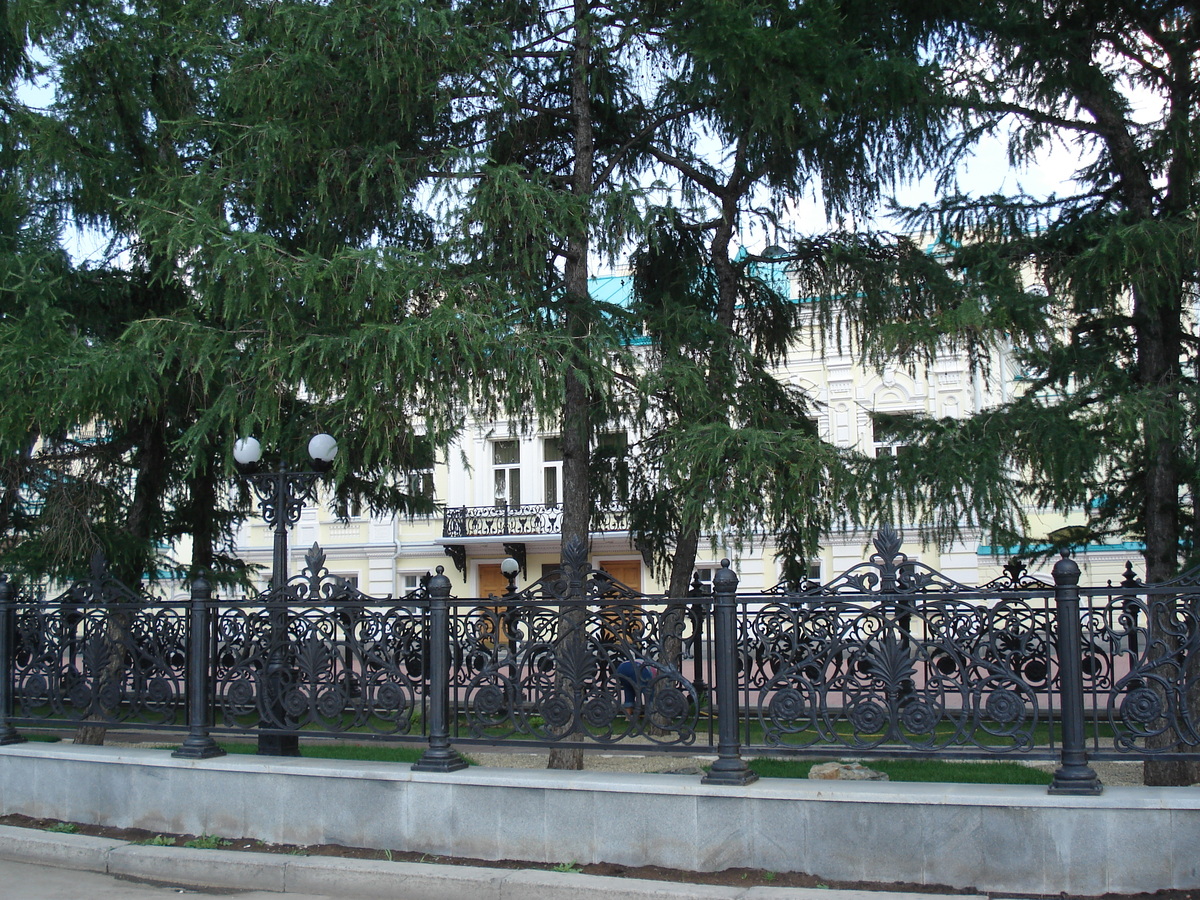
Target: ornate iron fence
[
  {"x": 890, "y": 657},
  {"x": 97, "y": 654}
]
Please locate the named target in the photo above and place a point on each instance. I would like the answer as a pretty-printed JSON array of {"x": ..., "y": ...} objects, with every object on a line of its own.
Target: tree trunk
[
  {"x": 1158, "y": 349},
  {"x": 577, "y": 411},
  {"x": 147, "y": 503},
  {"x": 674, "y": 618}
]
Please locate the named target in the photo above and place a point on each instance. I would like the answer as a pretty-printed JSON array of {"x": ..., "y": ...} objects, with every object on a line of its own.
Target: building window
[
  {"x": 408, "y": 582},
  {"x": 506, "y": 472},
  {"x": 886, "y": 446},
  {"x": 552, "y": 471},
  {"x": 420, "y": 489},
  {"x": 350, "y": 508},
  {"x": 611, "y": 458},
  {"x": 351, "y": 581}
]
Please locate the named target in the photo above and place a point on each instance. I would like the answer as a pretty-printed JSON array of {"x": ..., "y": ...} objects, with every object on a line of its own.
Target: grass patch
[
  {"x": 1003, "y": 772},
  {"x": 159, "y": 840},
  {"x": 207, "y": 842}
]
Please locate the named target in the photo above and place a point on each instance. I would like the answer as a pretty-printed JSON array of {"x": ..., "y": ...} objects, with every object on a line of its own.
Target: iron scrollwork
[
  {"x": 102, "y": 654},
  {"x": 892, "y": 653},
  {"x": 575, "y": 656},
  {"x": 352, "y": 662}
]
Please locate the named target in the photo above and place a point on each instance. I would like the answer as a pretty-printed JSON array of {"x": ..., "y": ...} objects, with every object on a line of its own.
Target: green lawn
[{"x": 916, "y": 770}]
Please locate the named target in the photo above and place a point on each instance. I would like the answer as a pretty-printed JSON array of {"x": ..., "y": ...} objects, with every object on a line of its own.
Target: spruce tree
[
  {"x": 816, "y": 98},
  {"x": 1092, "y": 293}
]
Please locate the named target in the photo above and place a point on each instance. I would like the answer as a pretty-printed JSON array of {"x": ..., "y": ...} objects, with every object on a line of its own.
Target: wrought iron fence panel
[
  {"x": 117, "y": 664},
  {"x": 599, "y": 676},
  {"x": 1144, "y": 669},
  {"x": 321, "y": 656},
  {"x": 332, "y": 669},
  {"x": 919, "y": 673}
]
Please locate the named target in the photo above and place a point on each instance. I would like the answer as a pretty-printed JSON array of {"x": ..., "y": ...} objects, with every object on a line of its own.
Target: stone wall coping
[{"x": 906, "y": 793}]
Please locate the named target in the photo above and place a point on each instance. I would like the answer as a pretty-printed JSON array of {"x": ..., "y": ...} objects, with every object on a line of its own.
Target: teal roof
[
  {"x": 614, "y": 289},
  {"x": 1121, "y": 547}
]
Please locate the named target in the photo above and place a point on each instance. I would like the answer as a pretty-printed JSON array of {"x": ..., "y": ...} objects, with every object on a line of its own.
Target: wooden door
[
  {"x": 626, "y": 571},
  {"x": 492, "y": 581},
  {"x": 623, "y": 623}
]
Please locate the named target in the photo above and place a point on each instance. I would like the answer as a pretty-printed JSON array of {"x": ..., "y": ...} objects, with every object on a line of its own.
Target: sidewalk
[{"x": 314, "y": 878}]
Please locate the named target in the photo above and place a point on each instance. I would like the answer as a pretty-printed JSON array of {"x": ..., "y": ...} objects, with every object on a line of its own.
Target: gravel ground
[{"x": 1111, "y": 773}]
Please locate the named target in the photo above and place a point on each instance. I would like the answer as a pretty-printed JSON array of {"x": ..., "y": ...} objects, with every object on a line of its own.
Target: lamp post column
[{"x": 281, "y": 498}]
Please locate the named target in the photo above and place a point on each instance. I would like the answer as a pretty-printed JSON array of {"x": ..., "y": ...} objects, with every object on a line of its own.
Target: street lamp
[
  {"x": 509, "y": 569},
  {"x": 510, "y": 615},
  {"x": 281, "y": 497}
]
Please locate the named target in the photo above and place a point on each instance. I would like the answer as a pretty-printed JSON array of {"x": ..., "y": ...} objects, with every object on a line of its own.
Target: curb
[{"x": 368, "y": 879}]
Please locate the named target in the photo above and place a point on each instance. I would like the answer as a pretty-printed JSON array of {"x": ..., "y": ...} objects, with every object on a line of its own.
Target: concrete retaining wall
[{"x": 991, "y": 837}]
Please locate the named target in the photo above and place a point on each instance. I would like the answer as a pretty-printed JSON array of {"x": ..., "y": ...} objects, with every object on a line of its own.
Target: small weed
[
  {"x": 825, "y": 886},
  {"x": 159, "y": 840},
  {"x": 297, "y": 851},
  {"x": 769, "y": 876},
  {"x": 387, "y": 854},
  {"x": 64, "y": 828},
  {"x": 572, "y": 867},
  {"x": 207, "y": 842}
]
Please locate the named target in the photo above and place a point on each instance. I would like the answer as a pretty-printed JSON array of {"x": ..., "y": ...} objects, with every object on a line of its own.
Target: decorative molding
[
  {"x": 517, "y": 552},
  {"x": 458, "y": 553}
]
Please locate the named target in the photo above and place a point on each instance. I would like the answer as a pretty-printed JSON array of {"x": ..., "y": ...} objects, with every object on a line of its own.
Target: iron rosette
[{"x": 1149, "y": 708}]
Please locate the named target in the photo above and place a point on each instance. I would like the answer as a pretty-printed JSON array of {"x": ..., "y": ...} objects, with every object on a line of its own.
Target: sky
[{"x": 988, "y": 172}]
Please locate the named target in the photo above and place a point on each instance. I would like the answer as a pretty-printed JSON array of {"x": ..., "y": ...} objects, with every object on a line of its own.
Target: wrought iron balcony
[{"x": 514, "y": 521}]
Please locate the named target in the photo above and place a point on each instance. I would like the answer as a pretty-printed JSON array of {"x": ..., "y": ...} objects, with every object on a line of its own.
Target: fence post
[
  {"x": 199, "y": 744},
  {"x": 8, "y": 616},
  {"x": 729, "y": 768},
  {"x": 1074, "y": 776},
  {"x": 439, "y": 756}
]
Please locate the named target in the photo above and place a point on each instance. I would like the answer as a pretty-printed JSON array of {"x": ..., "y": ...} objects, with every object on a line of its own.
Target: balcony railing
[{"x": 510, "y": 521}]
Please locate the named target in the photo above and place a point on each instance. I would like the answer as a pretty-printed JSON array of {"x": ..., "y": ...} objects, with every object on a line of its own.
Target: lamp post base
[{"x": 1079, "y": 780}]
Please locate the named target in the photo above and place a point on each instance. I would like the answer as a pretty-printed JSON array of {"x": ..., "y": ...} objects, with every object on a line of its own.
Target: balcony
[{"x": 515, "y": 521}]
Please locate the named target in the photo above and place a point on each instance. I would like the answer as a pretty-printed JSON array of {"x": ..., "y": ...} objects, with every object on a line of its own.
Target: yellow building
[{"x": 498, "y": 491}]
